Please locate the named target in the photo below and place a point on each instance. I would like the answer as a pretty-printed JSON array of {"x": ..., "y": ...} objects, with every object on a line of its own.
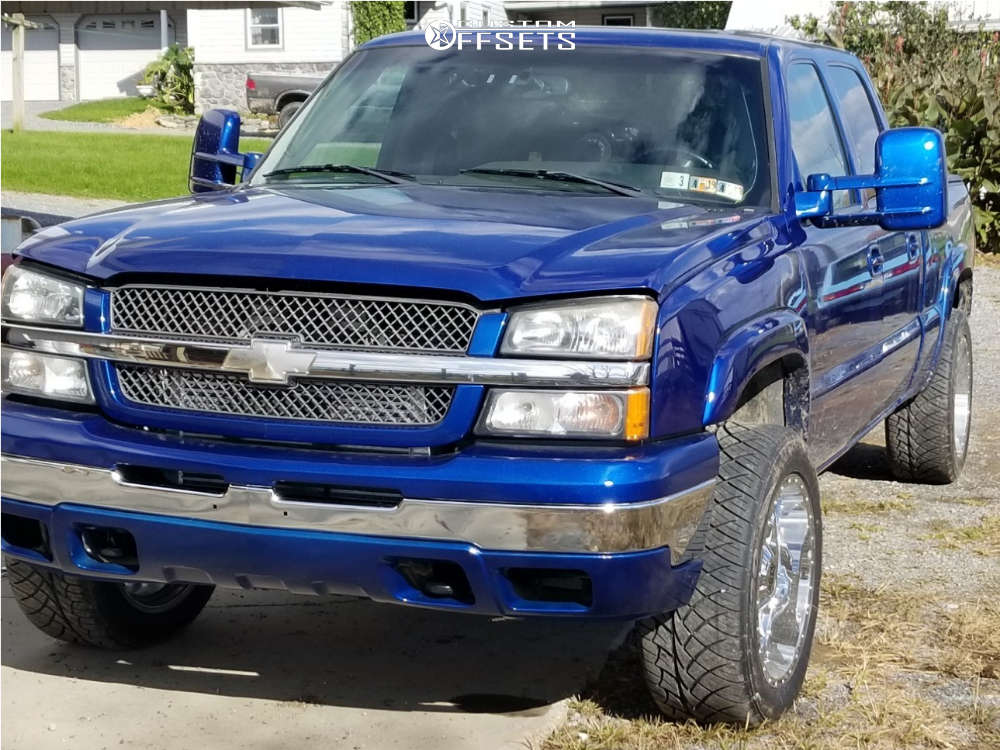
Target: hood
[{"x": 490, "y": 244}]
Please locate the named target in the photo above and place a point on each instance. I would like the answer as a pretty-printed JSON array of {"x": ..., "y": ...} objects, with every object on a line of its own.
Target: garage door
[
  {"x": 41, "y": 62},
  {"x": 114, "y": 50}
]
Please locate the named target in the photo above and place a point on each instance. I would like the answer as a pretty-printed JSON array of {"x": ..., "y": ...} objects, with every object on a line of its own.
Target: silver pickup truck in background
[{"x": 279, "y": 93}]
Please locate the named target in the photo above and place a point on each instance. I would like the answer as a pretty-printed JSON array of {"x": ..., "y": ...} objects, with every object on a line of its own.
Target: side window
[
  {"x": 815, "y": 139},
  {"x": 858, "y": 117}
]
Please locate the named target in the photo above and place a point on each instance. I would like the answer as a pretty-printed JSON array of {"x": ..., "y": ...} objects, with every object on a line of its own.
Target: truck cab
[{"x": 562, "y": 327}]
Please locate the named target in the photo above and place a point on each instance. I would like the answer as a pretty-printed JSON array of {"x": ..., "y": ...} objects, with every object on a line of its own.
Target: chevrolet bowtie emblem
[{"x": 269, "y": 361}]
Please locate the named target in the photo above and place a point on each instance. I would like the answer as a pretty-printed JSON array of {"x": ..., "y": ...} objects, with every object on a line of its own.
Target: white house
[{"x": 94, "y": 50}]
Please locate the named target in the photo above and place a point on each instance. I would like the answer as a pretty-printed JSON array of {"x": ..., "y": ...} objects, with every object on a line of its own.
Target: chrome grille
[
  {"x": 317, "y": 320},
  {"x": 313, "y": 400}
]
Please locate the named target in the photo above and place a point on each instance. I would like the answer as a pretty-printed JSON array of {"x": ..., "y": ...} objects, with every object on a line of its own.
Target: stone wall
[
  {"x": 224, "y": 85},
  {"x": 67, "y": 83}
]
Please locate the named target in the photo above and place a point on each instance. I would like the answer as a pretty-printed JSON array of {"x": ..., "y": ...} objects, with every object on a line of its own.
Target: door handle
[{"x": 874, "y": 260}]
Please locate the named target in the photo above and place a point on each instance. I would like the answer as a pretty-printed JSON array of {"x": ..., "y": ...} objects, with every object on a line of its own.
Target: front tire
[
  {"x": 738, "y": 651},
  {"x": 927, "y": 438},
  {"x": 103, "y": 613}
]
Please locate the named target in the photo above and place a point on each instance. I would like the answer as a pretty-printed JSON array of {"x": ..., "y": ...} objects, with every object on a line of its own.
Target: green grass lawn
[
  {"x": 101, "y": 110},
  {"x": 100, "y": 165}
]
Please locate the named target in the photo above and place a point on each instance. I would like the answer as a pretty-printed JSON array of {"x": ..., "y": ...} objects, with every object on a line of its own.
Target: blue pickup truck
[{"x": 557, "y": 331}]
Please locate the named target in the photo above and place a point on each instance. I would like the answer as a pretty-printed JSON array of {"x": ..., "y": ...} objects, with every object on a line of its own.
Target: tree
[{"x": 930, "y": 73}]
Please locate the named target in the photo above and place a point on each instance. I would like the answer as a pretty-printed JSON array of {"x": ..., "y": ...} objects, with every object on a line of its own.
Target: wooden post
[
  {"x": 17, "y": 59},
  {"x": 18, "y": 26}
]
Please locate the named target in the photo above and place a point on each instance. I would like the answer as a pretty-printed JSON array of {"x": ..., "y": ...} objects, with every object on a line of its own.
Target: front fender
[{"x": 745, "y": 352}]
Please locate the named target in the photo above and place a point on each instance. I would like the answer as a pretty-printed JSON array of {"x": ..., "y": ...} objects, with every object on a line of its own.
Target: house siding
[
  {"x": 313, "y": 42},
  {"x": 309, "y": 35},
  {"x": 454, "y": 12},
  {"x": 642, "y": 15}
]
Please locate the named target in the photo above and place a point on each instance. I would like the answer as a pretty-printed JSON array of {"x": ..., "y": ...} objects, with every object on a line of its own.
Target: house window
[
  {"x": 263, "y": 27},
  {"x": 486, "y": 18},
  {"x": 622, "y": 20},
  {"x": 410, "y": 13}
]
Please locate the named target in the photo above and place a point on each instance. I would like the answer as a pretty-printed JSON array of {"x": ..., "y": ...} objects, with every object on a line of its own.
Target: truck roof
[{"x": 731, "y": 42}]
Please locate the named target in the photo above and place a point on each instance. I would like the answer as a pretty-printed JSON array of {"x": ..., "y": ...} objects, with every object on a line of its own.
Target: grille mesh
[
  {"x": 324, "y": 321},
  {"x": 313, "y": 400}
]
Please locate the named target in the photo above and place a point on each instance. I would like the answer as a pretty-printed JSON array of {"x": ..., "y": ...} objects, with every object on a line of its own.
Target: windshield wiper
[
  {"x": 397, "y": 178},
  {"x": 547, "y": 174}
]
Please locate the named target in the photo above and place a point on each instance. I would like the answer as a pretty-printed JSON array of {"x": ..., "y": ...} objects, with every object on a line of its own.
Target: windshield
[{"x": 675, "y": 124}]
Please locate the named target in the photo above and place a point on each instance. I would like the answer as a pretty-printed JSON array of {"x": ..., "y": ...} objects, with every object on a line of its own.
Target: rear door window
[
  {"x": 859, "y": 118},
  {"x": 857, "y": 114},
  {"x": 815, "y": 139}
]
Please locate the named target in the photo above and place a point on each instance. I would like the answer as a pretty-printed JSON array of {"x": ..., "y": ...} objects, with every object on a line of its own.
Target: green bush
[
  {"x": 929, "y": 73},
  {"x": 685, "y": 14},
  {"x": 372, "y": 19},
  {"x": 172, "y": 78}
]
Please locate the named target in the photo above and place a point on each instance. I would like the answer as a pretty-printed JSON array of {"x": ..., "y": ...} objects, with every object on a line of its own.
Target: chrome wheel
[
  {"x": 155, "y": 597},
  {"x": 785, "y": 580},
  {"x": 962, "y": 406}
]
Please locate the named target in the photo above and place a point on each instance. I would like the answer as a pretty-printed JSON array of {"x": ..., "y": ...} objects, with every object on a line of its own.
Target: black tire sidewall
[
  {"x": 769, "y": 700},
  {"x": 133, "y": 626},
  {"x": 287, "y": 113}
]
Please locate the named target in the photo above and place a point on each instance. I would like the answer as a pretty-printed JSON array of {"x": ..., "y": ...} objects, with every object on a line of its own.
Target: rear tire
[
  {"x": 927, "y": 438},
  {"x": 738, "y": 651},
  {"x": 287, "y": 113},
  {"x": 103, "y": 613}
]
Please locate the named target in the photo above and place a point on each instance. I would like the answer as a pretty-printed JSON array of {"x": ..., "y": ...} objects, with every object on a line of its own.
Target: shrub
[
  {"x": 172, "y": 78},
  {"x": 684, "y": 14},
  {"x": 372, "y": 19},
  {"x": 929, "y": 73}
]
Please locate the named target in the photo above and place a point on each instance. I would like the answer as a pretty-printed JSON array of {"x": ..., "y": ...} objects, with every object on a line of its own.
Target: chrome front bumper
[{"x": 560, "y": 528}]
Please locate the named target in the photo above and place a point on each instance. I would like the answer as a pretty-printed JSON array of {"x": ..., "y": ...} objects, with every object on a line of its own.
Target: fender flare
[{"x": 746, "y": 351}]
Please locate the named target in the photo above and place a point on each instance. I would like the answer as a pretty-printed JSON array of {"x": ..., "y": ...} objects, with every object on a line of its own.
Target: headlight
[
  {"x": 601, "y": 328},
  {"x": 33, "y": 297},
  {"x": 46, "y": 376},
  {"x": 590, "y": 414}
]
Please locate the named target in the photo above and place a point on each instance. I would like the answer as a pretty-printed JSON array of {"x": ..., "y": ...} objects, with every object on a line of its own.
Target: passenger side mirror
[
  {"x": 216, "y": 162},
  {"x": 910, "y": 183}
]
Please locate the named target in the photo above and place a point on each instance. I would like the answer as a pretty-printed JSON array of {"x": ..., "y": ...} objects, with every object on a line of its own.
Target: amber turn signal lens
[{"x": 637, "y": 414}]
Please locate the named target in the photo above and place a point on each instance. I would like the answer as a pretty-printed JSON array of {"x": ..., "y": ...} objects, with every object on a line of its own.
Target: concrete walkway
[
  {"x": 269, "y": 670},
  {"x": 32, "y": 121},
  {"x": 67, "y": 206}
]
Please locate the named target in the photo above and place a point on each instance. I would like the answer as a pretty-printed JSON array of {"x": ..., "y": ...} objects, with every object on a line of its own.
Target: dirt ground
[{"x": 907, "y": 648}]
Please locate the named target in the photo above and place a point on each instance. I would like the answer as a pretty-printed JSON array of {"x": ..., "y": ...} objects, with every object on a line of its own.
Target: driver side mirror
[
  {"x": 216, "y": 162},
  {"x": 910, "y": 183}
]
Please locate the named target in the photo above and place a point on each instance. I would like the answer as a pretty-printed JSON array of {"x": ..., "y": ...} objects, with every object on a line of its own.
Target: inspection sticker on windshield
[{"x": 684, "y": 181}]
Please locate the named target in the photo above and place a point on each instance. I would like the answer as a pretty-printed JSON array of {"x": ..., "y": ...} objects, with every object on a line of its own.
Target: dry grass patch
[
  {"x": 973, "y": 502},
  {"x": 863, "y": 507},
  {"x": 983, "y": 538},
  {"x": 140, "y": 120},
  {"x": 884, "y": 674}
]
